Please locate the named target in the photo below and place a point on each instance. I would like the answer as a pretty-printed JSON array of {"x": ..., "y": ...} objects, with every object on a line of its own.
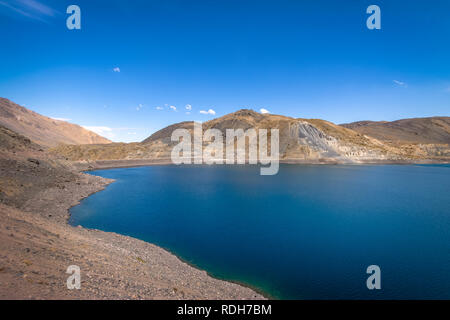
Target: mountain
[
  {"x": 301, "y": 141},
  {"x": 43, "y": 130},
  {"x": 434, "y": 130}
]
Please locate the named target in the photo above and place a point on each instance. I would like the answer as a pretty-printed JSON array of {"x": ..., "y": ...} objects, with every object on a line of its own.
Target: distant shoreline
[{"x": 112, "y": 164}]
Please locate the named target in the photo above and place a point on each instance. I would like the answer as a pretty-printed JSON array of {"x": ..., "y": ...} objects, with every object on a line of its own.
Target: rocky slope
[
  {"x": 417, "y": 137},
  {"x": 434, "y": 130},
  {"x": 43, "y": 130},
  {"x": 301, "y": 140},
  {"x": 37, "y": 245}
]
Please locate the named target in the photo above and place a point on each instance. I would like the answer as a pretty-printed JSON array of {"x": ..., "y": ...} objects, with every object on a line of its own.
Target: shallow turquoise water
[{"x": 308, "y": 232}]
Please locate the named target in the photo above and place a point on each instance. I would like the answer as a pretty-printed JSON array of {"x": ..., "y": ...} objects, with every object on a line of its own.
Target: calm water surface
[{"x": 308, "y": 232}]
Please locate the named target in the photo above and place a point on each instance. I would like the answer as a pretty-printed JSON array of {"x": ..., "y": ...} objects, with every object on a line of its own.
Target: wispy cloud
[
  {"x": 188, "y": 107},
  {"x": 38, "y": 7},
  {"x": 60, "y": 119},
  {"x": 400, "y": 83},
  {"x": 32, "y": 9},
  {"x": 173, "y": 108},
  {"x": 120, "y": 133},
  {"x": 139, "y": 107},
  {"x": 159, "y": 108},
  {"x": 106, "y": 132},
  {"x": 116, "y": 69},
  {"x": 98, "y": 129},
  {"x": 264, "y": 111},
  {"x": 210, "y": 111}
]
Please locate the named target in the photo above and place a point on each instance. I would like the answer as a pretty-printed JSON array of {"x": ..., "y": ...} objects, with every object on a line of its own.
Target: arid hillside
[
  {"x": 25, "y": 168},
  {"x": 43, "y": 130},
  {"x": 435, "y": 130},
  {"x": 301, "y": 141}
]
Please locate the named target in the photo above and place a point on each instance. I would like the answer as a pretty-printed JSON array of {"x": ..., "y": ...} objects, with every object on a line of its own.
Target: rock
[{"x": 36, "y": 161}]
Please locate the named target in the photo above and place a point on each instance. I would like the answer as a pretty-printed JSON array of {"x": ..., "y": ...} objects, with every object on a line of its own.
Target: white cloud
[
  {"x": 400, "y": 83},
  {"x": 173, "y": 108},
  {"x": 119, "y": 134},
  {"x": 159, "y": 108},
  {"x": 106, "y": 132},
  {"x": 210, "y": 111},
  {"x": 264, "y": 111},
  {"x": 61, "y": 119},
  {"x": 187, "y": 112},
  {"x": 188, "y": 107},
  {"x": 98, "y": 129},
  {"x": 116, "y": 69},
  {"x": 139, "y": 107}
]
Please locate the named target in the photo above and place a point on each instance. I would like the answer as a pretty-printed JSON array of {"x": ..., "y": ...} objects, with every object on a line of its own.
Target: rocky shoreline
[{"x": 37, "y": 245}]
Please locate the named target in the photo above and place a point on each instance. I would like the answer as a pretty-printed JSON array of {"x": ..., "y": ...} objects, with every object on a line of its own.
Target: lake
[{"x": 309, "y": 232}]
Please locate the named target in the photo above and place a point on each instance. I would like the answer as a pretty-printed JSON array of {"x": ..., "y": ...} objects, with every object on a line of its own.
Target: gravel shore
[{"x": 37, "y": 245}]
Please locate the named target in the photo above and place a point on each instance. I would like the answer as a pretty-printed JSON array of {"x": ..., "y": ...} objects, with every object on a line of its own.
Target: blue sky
[{"x": 310, "y": 59}]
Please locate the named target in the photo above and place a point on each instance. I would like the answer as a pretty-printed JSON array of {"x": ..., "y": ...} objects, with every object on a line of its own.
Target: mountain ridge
[
  {"x": 43, "y": 130},
  {"x": 412, "y": 130},
  {"x": 301, "y": 141}
]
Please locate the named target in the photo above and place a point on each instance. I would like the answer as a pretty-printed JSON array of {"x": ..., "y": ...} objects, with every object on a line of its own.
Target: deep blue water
[{"x": 308, "y": 232}]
